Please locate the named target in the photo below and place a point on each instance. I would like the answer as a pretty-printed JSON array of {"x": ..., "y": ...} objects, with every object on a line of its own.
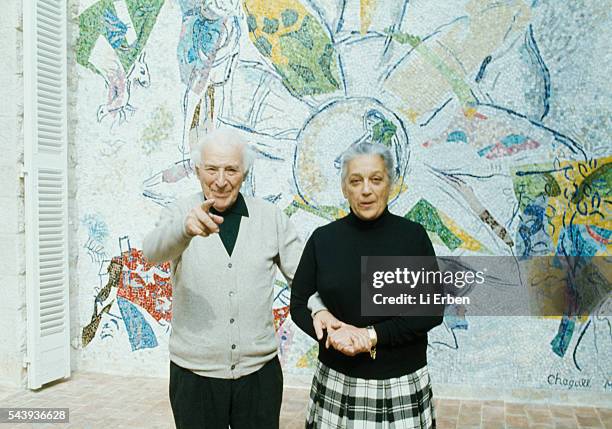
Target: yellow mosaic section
[
  {"x": 468, "y": 242},
  {"x": 365, "y": 14},
  {"x": 273, "y": 10},
  {"x": 584, "y": 200},
  {"x": 578, "y": 182}
]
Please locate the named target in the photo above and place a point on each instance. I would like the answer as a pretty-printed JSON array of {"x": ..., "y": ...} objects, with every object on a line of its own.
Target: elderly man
[{"x": 224, "y": 250}]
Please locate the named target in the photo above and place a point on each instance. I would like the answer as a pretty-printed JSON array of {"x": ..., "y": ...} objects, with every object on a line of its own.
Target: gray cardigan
[{"x": 222, "y": 323}]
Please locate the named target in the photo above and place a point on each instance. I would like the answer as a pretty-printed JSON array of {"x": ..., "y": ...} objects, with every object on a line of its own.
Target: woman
[{"x": 372, "y": 371}]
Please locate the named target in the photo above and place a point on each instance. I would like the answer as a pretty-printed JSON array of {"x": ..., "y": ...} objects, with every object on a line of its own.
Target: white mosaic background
[{"x": 497, "y": 113}]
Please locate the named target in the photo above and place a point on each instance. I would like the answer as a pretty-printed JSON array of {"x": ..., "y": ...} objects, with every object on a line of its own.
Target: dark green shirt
[{"x": 228, "y": 230}]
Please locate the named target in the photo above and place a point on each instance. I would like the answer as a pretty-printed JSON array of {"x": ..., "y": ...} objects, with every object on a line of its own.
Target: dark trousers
[{"x": 249, "y": 402}]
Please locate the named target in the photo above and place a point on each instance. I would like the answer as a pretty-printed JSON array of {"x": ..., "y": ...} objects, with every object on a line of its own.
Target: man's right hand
[
  {"x": 200, "y": 221},
  {"x": 324, "y": 320}
]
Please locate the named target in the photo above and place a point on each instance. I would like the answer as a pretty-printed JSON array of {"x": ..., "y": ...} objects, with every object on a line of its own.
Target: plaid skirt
[{"x": 341, "y": 402}]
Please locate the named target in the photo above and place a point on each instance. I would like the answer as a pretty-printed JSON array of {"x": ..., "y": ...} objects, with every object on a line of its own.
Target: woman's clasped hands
[{"x": 347, "y": 339}]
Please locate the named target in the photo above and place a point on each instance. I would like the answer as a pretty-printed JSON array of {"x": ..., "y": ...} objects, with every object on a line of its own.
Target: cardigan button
[
  {"x": 233, "y": 346},
  {"x": 229, "y": 265}
]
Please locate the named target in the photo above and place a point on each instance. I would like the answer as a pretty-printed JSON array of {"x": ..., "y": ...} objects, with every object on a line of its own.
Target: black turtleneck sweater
[{"x": 331, "y": 265}]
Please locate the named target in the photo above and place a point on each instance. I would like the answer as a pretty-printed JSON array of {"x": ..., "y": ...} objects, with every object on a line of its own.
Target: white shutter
[{"x": 46, "y": 196}]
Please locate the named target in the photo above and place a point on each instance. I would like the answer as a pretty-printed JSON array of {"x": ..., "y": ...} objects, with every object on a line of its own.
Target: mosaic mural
[{"x": 497, "y": 115}]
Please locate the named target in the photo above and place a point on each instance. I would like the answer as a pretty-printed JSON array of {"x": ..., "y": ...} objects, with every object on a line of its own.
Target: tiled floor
[{"x": 103, "y": 401}]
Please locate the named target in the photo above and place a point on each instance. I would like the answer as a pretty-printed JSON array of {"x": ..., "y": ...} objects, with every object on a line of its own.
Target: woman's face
[{"x": 367, "y": 186}]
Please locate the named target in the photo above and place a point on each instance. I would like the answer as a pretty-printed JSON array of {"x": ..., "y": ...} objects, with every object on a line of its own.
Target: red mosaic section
[
  {"x": 280, "y": 314},
  {"x": 145, "y": 284}
]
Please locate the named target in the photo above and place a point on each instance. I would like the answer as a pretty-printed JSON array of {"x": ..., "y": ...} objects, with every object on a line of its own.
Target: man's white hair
[{"x": 224, "y": 136}]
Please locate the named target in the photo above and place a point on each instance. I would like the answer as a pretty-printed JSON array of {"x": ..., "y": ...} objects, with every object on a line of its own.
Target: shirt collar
[{"x": 239, "y": 207}]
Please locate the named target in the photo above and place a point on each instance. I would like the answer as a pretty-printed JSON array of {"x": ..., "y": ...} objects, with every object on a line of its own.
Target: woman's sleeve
[
  {"x": 303, "y": 287},
  {"x": 405, "y": 329}
]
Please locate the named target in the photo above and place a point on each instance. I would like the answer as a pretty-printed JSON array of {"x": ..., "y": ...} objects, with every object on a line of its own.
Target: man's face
[
  {"x": 367, "y": 186},
  {"x": 221, "y": 174}
]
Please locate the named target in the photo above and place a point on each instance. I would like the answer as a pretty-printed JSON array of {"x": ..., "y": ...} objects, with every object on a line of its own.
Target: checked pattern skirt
[{"x": 341, "y": 402}]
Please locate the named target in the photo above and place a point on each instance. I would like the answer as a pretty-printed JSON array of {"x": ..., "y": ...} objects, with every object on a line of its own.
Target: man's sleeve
[
  {"x": 168, "y": 240},
  {"x": 315, "y": 304},
  {"x": 289, "y": 246},
  {"x": 290, "y": 250}
]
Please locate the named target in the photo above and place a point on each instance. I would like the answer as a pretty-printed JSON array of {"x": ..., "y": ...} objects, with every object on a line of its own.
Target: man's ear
[{"x": 343, "y": 186}]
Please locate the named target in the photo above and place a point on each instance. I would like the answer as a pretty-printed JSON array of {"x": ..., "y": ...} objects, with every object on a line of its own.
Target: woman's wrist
[{"x": 372, "y": 335}]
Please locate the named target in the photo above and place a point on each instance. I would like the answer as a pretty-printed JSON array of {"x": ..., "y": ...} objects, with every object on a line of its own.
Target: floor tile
[{"x": 100, "y": 401}]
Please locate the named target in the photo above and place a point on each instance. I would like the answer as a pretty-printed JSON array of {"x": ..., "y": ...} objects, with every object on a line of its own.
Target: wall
[
  {"x": 73, "y": 208},
  {"x": 12, "y": 227},
  {"x": 12, "y": 247},
  {"x": 496, "y": 113}
]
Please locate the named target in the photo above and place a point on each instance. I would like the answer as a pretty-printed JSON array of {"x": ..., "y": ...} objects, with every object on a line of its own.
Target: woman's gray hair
[
  {"x": 225, "y": 136},
  {"x": 367, "y": 148}
]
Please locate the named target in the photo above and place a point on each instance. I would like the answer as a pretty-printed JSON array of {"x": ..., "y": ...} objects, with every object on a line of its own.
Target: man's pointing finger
[{"x": 206, "y": 205}]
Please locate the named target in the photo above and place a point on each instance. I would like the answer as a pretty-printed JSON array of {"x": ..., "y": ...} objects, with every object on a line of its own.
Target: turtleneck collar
[
  {"x": 239, "y": 207},
  {"x": 353, "y": 220}
]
